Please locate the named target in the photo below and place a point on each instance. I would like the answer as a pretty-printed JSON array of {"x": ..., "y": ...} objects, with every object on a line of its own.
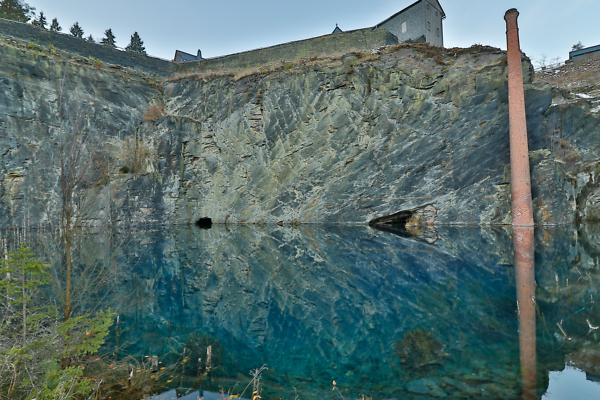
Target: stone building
[
  {"x": 421, "y": 19},
  {"x": 419, "y": 22}
]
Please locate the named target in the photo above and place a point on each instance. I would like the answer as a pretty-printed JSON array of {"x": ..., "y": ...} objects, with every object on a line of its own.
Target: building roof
[
  {"x": 187, "y": 56},
  {"x": 337, "y": 29},
  {"x": 406, "y": 8},
  {"x": 581, "y": 52}
]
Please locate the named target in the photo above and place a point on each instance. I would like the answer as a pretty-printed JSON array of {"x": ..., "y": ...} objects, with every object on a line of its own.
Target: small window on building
[
  {"x": 428, "y": 6},
  {"x": 436, "y": 13},
  {"x": 404, "y": 27},
  {"x": 437, "y": 31},
  {"x": 428, "y": 25}
]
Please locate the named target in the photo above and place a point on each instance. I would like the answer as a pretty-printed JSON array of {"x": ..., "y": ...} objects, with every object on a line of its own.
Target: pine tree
[
  {"x": 136, "y": 44},
  {"x": 76, "y": 30},
  {"x": 90, "y": 39},
  {"x": 34, "y": 336},
  {"x": 109, "y": 38},
  {"x": 577, "y": 46},
  {"x": 26, "y": 275},
  {"x": 40, "y": 21},
  {"x": 16, "y": 10},
  {"x": 55, "y": 26}
]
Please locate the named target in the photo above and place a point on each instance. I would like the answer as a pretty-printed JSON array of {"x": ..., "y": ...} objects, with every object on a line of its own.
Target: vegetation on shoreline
[{"x": 42, "y": 355}]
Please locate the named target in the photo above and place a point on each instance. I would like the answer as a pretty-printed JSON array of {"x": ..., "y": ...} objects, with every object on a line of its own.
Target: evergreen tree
[
  {"x": 55, "y": 26},
  {"x": 40, "y": 21},
  {"x": 33, "y": 336},
  {"x": 136, "y": 44},
  {"x": 90, "y": 39},
  {"x": 577, "y": 46},
  {"x": 24, "y": 274},
  {"x": 109, "y": 38},
  {"x": 16, "y": 10},
  {"x": 76, "y": 30}
]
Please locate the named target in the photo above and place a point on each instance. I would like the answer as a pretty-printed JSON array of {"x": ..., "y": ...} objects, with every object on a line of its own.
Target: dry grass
[
  {"x": 297, "y": 66},
  {"x": 135, "y": 156},
  {"x": 154, "y": 112},
  {"x": 582, "y": 75},
  {"x": 440, "y": 55}
]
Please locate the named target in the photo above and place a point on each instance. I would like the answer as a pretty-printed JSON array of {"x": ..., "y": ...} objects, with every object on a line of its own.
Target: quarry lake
[{"x": 385, "y": 314}]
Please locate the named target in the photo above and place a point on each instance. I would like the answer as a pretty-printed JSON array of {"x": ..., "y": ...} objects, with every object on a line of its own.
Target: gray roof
[
  {"x": 581, "y": 52},
  {"x": 187, "y": 56}
]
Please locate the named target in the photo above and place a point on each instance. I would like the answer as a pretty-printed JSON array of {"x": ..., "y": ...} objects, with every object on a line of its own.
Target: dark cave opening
[
  {"x": 394, "y": 223},
  {"x": 204, "y": 223},
  {"x": 397, "y": 220}
]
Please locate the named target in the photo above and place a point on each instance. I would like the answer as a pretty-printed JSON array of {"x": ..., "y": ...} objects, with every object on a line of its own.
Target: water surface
[{"x": 421, "y": 314}]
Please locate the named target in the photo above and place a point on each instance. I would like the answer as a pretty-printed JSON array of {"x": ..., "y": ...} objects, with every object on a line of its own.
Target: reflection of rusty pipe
[
  {"x": 520, "y": 181},
  {"x": 523, "y": 245}
]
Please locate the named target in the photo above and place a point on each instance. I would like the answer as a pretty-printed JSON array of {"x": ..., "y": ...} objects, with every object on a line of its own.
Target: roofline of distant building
[
  {"x": 291, "y": 42},
  {"x": 581, "y": 52}
]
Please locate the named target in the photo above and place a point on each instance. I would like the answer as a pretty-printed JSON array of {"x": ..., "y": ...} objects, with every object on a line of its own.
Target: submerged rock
[
  {"x": 426, "y": 386},
  {"x": 419, "y": 348}
]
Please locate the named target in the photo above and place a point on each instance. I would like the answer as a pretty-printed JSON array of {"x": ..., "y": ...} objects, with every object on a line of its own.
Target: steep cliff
[{"x": 416, "y": 133}]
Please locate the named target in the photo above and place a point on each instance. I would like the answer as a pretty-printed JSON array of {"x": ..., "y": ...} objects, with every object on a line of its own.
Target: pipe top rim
[{"x": 511, "y": 12}]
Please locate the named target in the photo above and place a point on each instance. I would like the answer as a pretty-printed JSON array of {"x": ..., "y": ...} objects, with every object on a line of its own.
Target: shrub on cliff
[
  {"x": 154, "y": 112},
  {"x": 136, "y": 45},
  {"x": 16, "y": 10}
]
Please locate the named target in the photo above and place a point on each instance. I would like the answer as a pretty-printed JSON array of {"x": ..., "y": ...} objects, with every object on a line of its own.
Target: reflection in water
[
  {"x": 571, "y": 383},
  {"x": 383, "y": 315},
  {"x": 523, "y": 242}
]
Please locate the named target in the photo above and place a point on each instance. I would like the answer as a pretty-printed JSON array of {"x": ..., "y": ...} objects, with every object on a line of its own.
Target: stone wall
[
  {"x": 74, "y": 45},
  {"x": 360, "y": 39}
]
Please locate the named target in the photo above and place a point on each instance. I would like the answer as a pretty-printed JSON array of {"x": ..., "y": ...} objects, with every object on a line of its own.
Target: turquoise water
[{"x": 404, "y": 315}]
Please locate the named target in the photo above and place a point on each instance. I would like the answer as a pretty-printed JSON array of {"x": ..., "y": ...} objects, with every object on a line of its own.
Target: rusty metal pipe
[{"x": 520, "y": 179}]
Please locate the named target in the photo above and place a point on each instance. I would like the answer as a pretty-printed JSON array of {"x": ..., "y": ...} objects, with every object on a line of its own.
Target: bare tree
[
  {"x": 78, "y": 224},
  {"x": 543, "y": 61}
]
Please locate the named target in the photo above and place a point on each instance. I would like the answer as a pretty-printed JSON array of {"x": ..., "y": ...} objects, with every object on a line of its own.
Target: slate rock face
[
  {"x": 35, "y": 84},
  {"x": 360, "y": 142},
  {"x": 396, "y": 133}
]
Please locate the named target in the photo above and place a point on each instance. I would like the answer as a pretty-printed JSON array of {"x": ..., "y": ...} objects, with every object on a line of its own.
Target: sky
[{"x": 547, "y": 27}]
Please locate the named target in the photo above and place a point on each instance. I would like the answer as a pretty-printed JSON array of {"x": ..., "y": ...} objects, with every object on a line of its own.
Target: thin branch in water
[
  {"x": 562, "y": 330},
  {"x": 338, "y": 390}
]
